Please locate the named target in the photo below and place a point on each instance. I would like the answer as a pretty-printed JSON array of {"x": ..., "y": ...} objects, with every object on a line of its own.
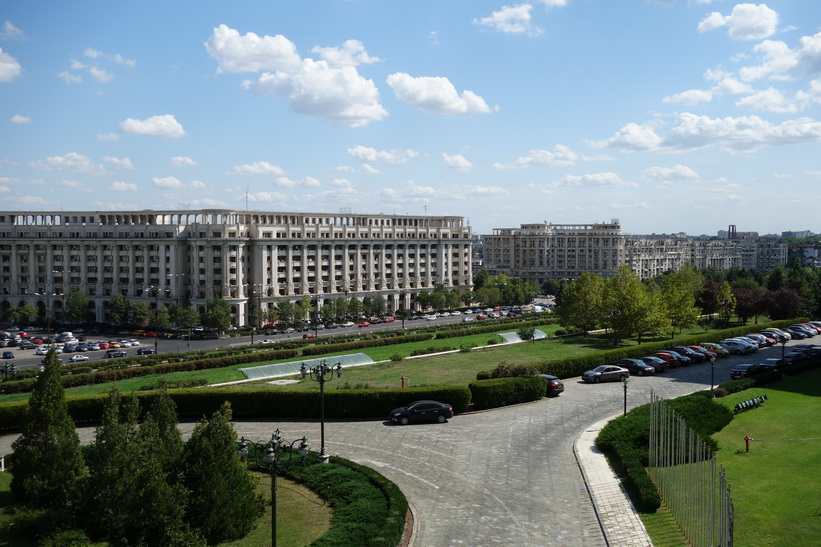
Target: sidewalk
[{"x": 619, "y": 521}]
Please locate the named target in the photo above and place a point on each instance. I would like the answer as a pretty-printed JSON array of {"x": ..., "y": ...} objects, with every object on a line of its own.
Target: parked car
[
  {"x": 422, "y": 411},
  {"x": 695, "y": 356},
  {"x": 26, "y": 344},
  {"x": 797, "y": 333},
  {"x": 737, "y": 347},
  {"x": 707, "y": 353},
  {"x": 145, "y": 351},
  {"x": 554, "y": 385},
  {"x": 211, "y": 336},
  {"x": 671, "y": 361},
  {"x": 636, "y": 366},
  {"x": 745, "y": 370},
  {"x": 779, "y": 334},
  {"x": 364, "y": 324},
  {"x": 8, "y": 355},
  {"x": 77, "y": 358},
  {"x": 656, "y": 362},
  {"x": 683, "y": 360},
  {"x": 112, "y": 353},
  {"x": 812, "y": 350},
  {"x": 605, "y": 373},
  {"x": 792, "y": 357},
  {"x": 772, "y": 364},
  {"x": 763, "y": 341}
]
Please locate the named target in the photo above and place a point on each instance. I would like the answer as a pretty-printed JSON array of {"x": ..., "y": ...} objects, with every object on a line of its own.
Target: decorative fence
[{"x": 684, "y": 471}]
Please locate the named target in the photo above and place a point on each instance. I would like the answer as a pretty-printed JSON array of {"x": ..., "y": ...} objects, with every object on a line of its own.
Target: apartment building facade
[
  {"x": 251, "y": 259},
  {"x": 536, "y": 252}
]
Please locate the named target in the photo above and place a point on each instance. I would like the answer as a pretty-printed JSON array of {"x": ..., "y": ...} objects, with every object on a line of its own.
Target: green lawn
[{"x": 776, "y": 487}]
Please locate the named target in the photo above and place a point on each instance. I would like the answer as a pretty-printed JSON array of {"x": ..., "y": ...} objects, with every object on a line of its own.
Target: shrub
[
  {"x": 506, "y": 391},
  {"x": 396, "y": 357}
]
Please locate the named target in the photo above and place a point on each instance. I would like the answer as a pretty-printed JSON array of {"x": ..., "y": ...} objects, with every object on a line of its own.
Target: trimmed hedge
[
  {"x": 368, "y": 509},
  {"x": 498, "y": 392}
]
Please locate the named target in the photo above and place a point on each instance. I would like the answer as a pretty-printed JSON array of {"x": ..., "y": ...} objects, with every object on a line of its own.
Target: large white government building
[
  {"x": 536, "y": 252},
  {"x": 247, "y": 258}
]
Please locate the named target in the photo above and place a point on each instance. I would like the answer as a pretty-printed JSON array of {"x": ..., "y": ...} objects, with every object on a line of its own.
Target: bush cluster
[
  {"x": 431, "y": 349},
  {"x": 625, "y": 440},
  {"x": 368, "y": 508},
  {"x": 506, "y": 391}
]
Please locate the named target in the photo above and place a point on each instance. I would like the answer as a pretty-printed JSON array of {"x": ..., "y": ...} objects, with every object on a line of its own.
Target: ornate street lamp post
[
  {"x": 625, "y": 380},
  {"x": 321, "y": 373},
  {"x": 273, "y": 456},
  {"x": 712, "y": 376}
]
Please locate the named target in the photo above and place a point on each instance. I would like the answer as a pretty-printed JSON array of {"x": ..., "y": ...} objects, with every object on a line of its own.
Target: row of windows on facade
[{"x": 364, "y": 233}]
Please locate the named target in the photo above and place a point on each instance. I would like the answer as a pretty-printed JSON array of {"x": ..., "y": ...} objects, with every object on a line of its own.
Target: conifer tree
[
  {"x": 223, "y": 504},
  {"x": 48, "y": 466}
]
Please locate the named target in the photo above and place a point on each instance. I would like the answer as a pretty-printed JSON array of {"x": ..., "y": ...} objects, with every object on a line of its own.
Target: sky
[{"x": 668, "y": 115}]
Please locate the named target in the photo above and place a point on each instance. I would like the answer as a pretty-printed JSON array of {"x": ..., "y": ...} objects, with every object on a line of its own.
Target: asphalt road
[{"x": 500, "y": 477}]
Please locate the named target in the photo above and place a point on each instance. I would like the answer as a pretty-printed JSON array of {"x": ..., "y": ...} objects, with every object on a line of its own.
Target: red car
[
  {"x": 364, "y": 324},
  {"x": 390, "y": 319},
  {"x": 671, "y": 361}
]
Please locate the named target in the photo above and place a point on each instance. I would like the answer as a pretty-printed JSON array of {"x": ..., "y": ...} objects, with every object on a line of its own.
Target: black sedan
[
  {"x": 554, "y": 385},
  {"x": 636, "y": 366},
  {"x": 743, "y": 371},
  {"x": 422, "y": 411}
]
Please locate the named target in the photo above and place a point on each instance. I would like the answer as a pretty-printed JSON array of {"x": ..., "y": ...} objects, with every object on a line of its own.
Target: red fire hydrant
[
  {"x": 747, "y": 440},
  {"x": 404, "y": 378}
]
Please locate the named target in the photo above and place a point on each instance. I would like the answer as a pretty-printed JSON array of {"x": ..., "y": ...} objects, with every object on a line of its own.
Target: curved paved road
[{"x": 502, "y": 477}]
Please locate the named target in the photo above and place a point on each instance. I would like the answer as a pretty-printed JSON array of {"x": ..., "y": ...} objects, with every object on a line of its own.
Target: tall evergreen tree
[
  {"x": 223, "y": 503},
  {"x": 48, "y": 466}
]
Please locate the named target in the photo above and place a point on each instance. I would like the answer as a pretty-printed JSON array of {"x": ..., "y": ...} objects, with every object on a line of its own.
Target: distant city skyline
[{"x": 669, "y": 115}]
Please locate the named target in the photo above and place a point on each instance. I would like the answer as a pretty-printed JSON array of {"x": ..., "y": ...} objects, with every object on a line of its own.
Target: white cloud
[
  {"x": 165, "y": 126},
  {"x": 388, "y": 157},
  {"x": 250, "y": 52},
  {"x": 166, "y": 182},
  {"x": 664, "y": 174},
  {"x": 113, "y": 57},
  {"x": 10, "y": 32},
  {"x": 746, "y": 22},
  {"x": 778, "y": 58},
  {"x": 341, "y": 182},
  {"x": 108, "y": 137},
  {"x": 257, "y": 168},
  {"x": 594, "y": 180},
  {"x": 350, "y": 53},
  {"x": 100, "y": 74},
  {"x": 338, "y": 94},
  {"x": 457, "y": 162},
  {"x": 307, "y": 182},
  {"x": 182, "y": 161},
  {"x": 638, "y": 205},
  {"x": 770, "y": 100},
  {"x": 124, "y": 187},
  {"x": 71, "y": 162},
  {"x": 119, "y": 163},
  {"x": 690, "y": 97},
  {"x": 553, "y": 3},
  {"x": 744, "y": 133},
  {"x": 511, "y": 20},
  {"x": 561, "y": 155},
  {"x": 435, "y": 95},
  {"x": 370, "y": 169},
  {"x": 811, "y": 96},
  {"x": 9, "y": 67},
  {"x": 267, "y": 197},
  {"x": 70, "y": 77},
  {"x": 198, "y": 184},
  {"x": 632, "y": 137},
  {"x": 17, "y": 118}
]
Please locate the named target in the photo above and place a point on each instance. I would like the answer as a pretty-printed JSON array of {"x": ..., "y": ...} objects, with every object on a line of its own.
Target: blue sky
[{"x": 669, "y": 115}]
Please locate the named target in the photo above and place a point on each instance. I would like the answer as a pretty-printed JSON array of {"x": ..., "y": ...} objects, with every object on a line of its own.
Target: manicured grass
[
  {"x": 302, "y": 516},
  {"x": 662, "y": 528},
  {"x": 776, "y": 487}
]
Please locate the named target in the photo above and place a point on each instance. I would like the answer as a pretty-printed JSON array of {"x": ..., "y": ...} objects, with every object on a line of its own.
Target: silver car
[{"x": 605, "y": 373}]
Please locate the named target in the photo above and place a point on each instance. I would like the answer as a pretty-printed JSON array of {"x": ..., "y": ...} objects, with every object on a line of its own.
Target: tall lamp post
[
  {"x": 783, "y": 345},
  {"x": 625, "y": 380},
  {"x": 712, "y": 376},
  {"x": 321, "y": 373},
  {"x": 273, "y": 455},
  {"x": 156, "y": 316}
]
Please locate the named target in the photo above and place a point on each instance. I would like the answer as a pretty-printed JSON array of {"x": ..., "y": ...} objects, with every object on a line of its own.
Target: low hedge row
[
  {"x": 324, "y": 349},
  {"x": 506, "y": 391},
  {"x": 368, "y": 509},
  {"x": 194, "y": 403},
  {"x": 490, "y": 326}
]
